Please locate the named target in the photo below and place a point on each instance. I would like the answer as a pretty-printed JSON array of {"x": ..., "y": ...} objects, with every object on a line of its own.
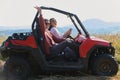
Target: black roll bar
[
  {"x": 65, "y": 13},
  {"x": 34, "y": 20},
  {"x": 75, "y": 25},
  {"x": 57, "y": 10},
  {"x": 82, "y": 26}
]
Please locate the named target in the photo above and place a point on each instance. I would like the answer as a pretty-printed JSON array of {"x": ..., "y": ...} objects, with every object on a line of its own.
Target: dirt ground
[{"x": 66, "y": 77}]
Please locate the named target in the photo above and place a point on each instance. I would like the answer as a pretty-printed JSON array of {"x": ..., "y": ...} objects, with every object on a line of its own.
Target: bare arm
[
  {"x": 56, "y": 39},
  {"x": 67, "y": 33}
]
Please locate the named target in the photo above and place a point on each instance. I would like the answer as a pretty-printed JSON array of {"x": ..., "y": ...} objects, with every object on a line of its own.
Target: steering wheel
[{"x": 69, "y": 36}]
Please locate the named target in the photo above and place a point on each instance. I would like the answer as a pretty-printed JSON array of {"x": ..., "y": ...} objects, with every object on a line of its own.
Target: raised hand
[{"x": 39, "y": 9}]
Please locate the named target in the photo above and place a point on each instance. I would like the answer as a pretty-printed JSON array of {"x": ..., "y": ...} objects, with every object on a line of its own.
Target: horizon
[
  {"x": 93, "y": 26},
  {"x": 84, "y": 22}
]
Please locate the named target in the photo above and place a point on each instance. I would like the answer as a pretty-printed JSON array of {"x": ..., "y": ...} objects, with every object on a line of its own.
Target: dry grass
[
  {"x": 115, "y": 39},
  {"x": 2, "y": 39}
]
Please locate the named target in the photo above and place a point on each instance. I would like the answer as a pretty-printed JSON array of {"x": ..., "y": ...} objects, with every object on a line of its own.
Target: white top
[{"x": 55, "y": 32}]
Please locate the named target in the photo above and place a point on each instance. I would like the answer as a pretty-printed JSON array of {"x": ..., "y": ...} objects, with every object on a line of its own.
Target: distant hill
[
  {"x": 96, "y": 26},
  {"x": 93, "y": 26},
  {"x": 10, "y": 32}
]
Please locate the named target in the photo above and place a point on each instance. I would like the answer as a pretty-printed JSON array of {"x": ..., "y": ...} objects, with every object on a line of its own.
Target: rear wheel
[
  {"x": 104, "y": 65},
  {"x": 16, "y": 69}
]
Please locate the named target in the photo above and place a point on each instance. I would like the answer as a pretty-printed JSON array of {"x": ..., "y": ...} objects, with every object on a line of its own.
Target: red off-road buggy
[{"x": 26, "y": 55}]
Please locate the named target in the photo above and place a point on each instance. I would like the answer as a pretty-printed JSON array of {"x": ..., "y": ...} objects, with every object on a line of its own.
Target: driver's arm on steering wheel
[{"x": 67, "y": 33}]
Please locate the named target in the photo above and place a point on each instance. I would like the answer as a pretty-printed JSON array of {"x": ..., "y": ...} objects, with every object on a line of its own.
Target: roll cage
[{"x": 71, "y": 15}]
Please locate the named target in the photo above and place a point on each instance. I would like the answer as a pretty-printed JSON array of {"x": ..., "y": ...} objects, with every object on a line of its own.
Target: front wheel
[
  {"x": 16, "y": 68},
  {"x": 104, "y": 65}
]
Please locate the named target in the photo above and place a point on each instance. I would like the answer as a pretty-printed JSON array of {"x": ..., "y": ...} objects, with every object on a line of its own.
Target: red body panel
[
  {"x": 30, "y": 41},
  {"x": 85, "y": 47},
  {"x": 89, "y": 43}
]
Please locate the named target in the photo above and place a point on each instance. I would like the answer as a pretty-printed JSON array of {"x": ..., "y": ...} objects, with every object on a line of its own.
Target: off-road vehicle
[{"x": 26, "y": 56}]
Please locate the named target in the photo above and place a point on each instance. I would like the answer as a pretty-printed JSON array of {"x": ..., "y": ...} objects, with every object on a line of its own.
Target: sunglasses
[{"x": 47, "y": 23}]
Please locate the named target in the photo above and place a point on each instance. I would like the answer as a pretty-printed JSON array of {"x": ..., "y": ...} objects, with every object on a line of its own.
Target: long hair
[
  {"x": 50, "y": 27},
  {"x": 51, "y": 20}
]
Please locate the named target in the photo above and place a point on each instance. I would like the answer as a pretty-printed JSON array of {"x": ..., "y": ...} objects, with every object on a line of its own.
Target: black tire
[
  {"x": 16, "y": 68},
  {"x": 104, "y": 65}
]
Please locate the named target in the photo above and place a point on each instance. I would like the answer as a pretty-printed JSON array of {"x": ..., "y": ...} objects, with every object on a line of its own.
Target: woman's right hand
[
  {"x": 70, "y": 31},
  {"x": 67, "y": 33},
  {"x": 39, "y": 9}
]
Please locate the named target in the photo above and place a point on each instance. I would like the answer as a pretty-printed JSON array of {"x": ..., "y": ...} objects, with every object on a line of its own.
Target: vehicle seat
[{"x": 40, "y": 38}]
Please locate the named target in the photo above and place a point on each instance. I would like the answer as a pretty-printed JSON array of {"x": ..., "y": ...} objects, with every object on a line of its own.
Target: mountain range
[
  {"x": 96, "y": 26},
  {"x": 93, "y": 26}
]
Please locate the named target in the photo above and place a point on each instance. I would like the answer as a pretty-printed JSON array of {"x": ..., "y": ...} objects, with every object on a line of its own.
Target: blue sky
[{"x": 21, "y": 12}]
